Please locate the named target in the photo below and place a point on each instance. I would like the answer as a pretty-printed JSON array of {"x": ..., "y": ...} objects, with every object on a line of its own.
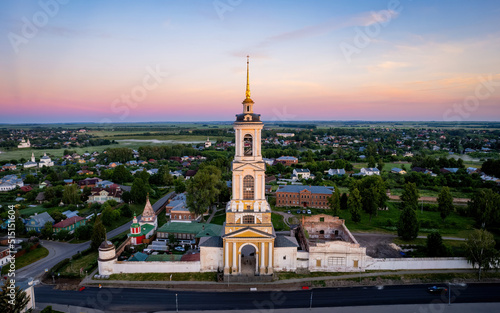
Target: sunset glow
[{"x": 79, "y": 61}]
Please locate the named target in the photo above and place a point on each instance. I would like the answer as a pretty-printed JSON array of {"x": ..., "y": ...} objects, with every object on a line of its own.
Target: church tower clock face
[{"x": 248, "y": 232}]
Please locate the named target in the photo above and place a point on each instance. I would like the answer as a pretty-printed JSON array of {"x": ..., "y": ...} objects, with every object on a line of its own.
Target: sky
[{"x": 151, "y": 61}]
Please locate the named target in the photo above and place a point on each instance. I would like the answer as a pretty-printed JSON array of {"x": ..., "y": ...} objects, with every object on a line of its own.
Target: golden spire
[{"x": 247, "y": 93}]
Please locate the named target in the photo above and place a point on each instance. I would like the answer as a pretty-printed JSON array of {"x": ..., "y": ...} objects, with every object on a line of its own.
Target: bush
[
  {"x": 429, "y": 224},
  {"x": 390, "y": 223},
  {"x": 56, "y": 268},
  {"x": 63, "y": 235}
]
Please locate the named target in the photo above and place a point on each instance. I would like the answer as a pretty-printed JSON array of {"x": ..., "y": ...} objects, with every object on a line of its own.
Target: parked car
[
  {"x": 308, "y": 211},
  {"x": 289, "y": 212},
  {"x": 303, "y": 211},
  {"x": 436, "y": 289},
  {"x": 179, "y": 248},
  {"x": 298, "y": 211}
]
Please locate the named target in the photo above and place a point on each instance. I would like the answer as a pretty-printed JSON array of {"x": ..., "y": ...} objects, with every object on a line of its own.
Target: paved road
[
  {"x": 59, "y": 251},
  {"x": 144, "y": 300},
  {"x": 399, "y": 308}
]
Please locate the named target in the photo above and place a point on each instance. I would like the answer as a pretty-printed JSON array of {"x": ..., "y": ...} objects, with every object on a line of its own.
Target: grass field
[
  {"x": 165, "y": 277},
  {"x": 28, "y": 258},
  {"x": 454, "y": 225},
  {"x": 278, "y": 222},
  {"x": 75, "y": 265},
  {"x": 432, "y": 193}
]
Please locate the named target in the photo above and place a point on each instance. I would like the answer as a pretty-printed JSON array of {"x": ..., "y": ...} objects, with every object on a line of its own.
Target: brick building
[
  {"x": 305, "y": 196},
  {"x": 287, "y": 160}
]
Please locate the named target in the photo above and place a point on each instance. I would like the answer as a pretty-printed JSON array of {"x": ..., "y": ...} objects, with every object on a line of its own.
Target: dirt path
[{"x": 432, "y": 199}]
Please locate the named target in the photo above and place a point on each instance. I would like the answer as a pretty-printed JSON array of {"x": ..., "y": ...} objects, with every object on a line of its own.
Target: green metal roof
[
  {"x": 199, "y": 229},
  {"x": 138, "y": 256},
  {"x": 164, "y": 257}
]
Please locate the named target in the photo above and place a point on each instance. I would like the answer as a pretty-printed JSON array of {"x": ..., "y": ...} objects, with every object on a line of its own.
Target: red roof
[
  {"x": 191, "y": 257},
  {"x": 26, "y": 188},
  {"x": 67, "y": 222}
]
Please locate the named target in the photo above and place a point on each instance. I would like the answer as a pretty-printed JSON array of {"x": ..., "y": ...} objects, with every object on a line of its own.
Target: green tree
[
  {"x": 180, "y": 185},
  {"x": 139, "y": 191},
  {"x": 144, "y": 175},
  {"x": 16, "y": 304},
  {"x": 334, "y": 201},
  {"x": 121, "y": 175},
  {"x": 435, "y": 245},
  {"x": 126, "y": 211},
  {"x": 62, "y": 234},
  {"x": 83, "y": 232},
  {"x": 483, "y": 206},
  {"x": 355, "y": 205},
  {"x": 408, "y": 224},
  {"x": 481, "y": 252},
  {"x": 58, "y": 216},
  {"x": 20, "y": 228},
  {"x": 373, "y": 194},
  {"x": 71, "y": 194},
  {"x": 203, "y": 190},
  {"x": 445, "y": 202},
  {"x": 343, "y": 201},
  {"x": 410, "y": 195},
  {"x": 107, "y": 216},
  {"x": 30, "y": 179},
  {"x": 47, "y": 230},
  {"x": 380, "y": 164},
  {"x": 98, "y": 234},
  {"x": 371, "y": 161}
]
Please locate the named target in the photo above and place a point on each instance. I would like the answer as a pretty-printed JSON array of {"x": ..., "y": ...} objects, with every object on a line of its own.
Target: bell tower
[{"x": 248, "y": 230}]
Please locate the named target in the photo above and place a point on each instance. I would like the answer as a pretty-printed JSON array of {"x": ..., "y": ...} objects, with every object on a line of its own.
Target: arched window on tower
[
  {"x": 248, "y": 187},
  {"x": 248, "y": 219},
  {"x": 248, "y": 145}
]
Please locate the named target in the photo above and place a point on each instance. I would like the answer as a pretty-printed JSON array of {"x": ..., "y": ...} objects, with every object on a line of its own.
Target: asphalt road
[
  {"x": 59, "y": 251},
  {"x": 144, "y": 300}
]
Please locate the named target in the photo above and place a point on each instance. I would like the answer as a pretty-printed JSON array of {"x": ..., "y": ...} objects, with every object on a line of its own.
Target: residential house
[
  {"x": 190, "y": 173},
  {"x": 9, "y": 167},
  {"x": 397, "y": 170},
  {"x": 368, "y": 171},
  {"x": 89, "y": 182},
  {"x": 301, "y": 173},
  {"x": 336, "y": 172},
  {"x": 10, "y": 182},
  {"x": 37, "y": 222},
  {"x": 40, "y": 198},
  {"x": 69, "y": 224},
  {"x": 101, "y": 195}
]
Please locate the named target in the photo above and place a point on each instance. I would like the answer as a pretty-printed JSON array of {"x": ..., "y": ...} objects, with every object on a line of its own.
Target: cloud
[
  {"x": 388, "y": 65},
  {"x": 333, "y": 24}
]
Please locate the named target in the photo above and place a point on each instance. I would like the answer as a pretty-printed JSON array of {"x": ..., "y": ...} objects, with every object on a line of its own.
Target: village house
[
  {"x": 369, "y": 171},
  {"x": 101, "y": 195},
  {"x": 301, "y": 173},
  {"x": 69, "y": 224},
  {"x": 37, "y": 222}
]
